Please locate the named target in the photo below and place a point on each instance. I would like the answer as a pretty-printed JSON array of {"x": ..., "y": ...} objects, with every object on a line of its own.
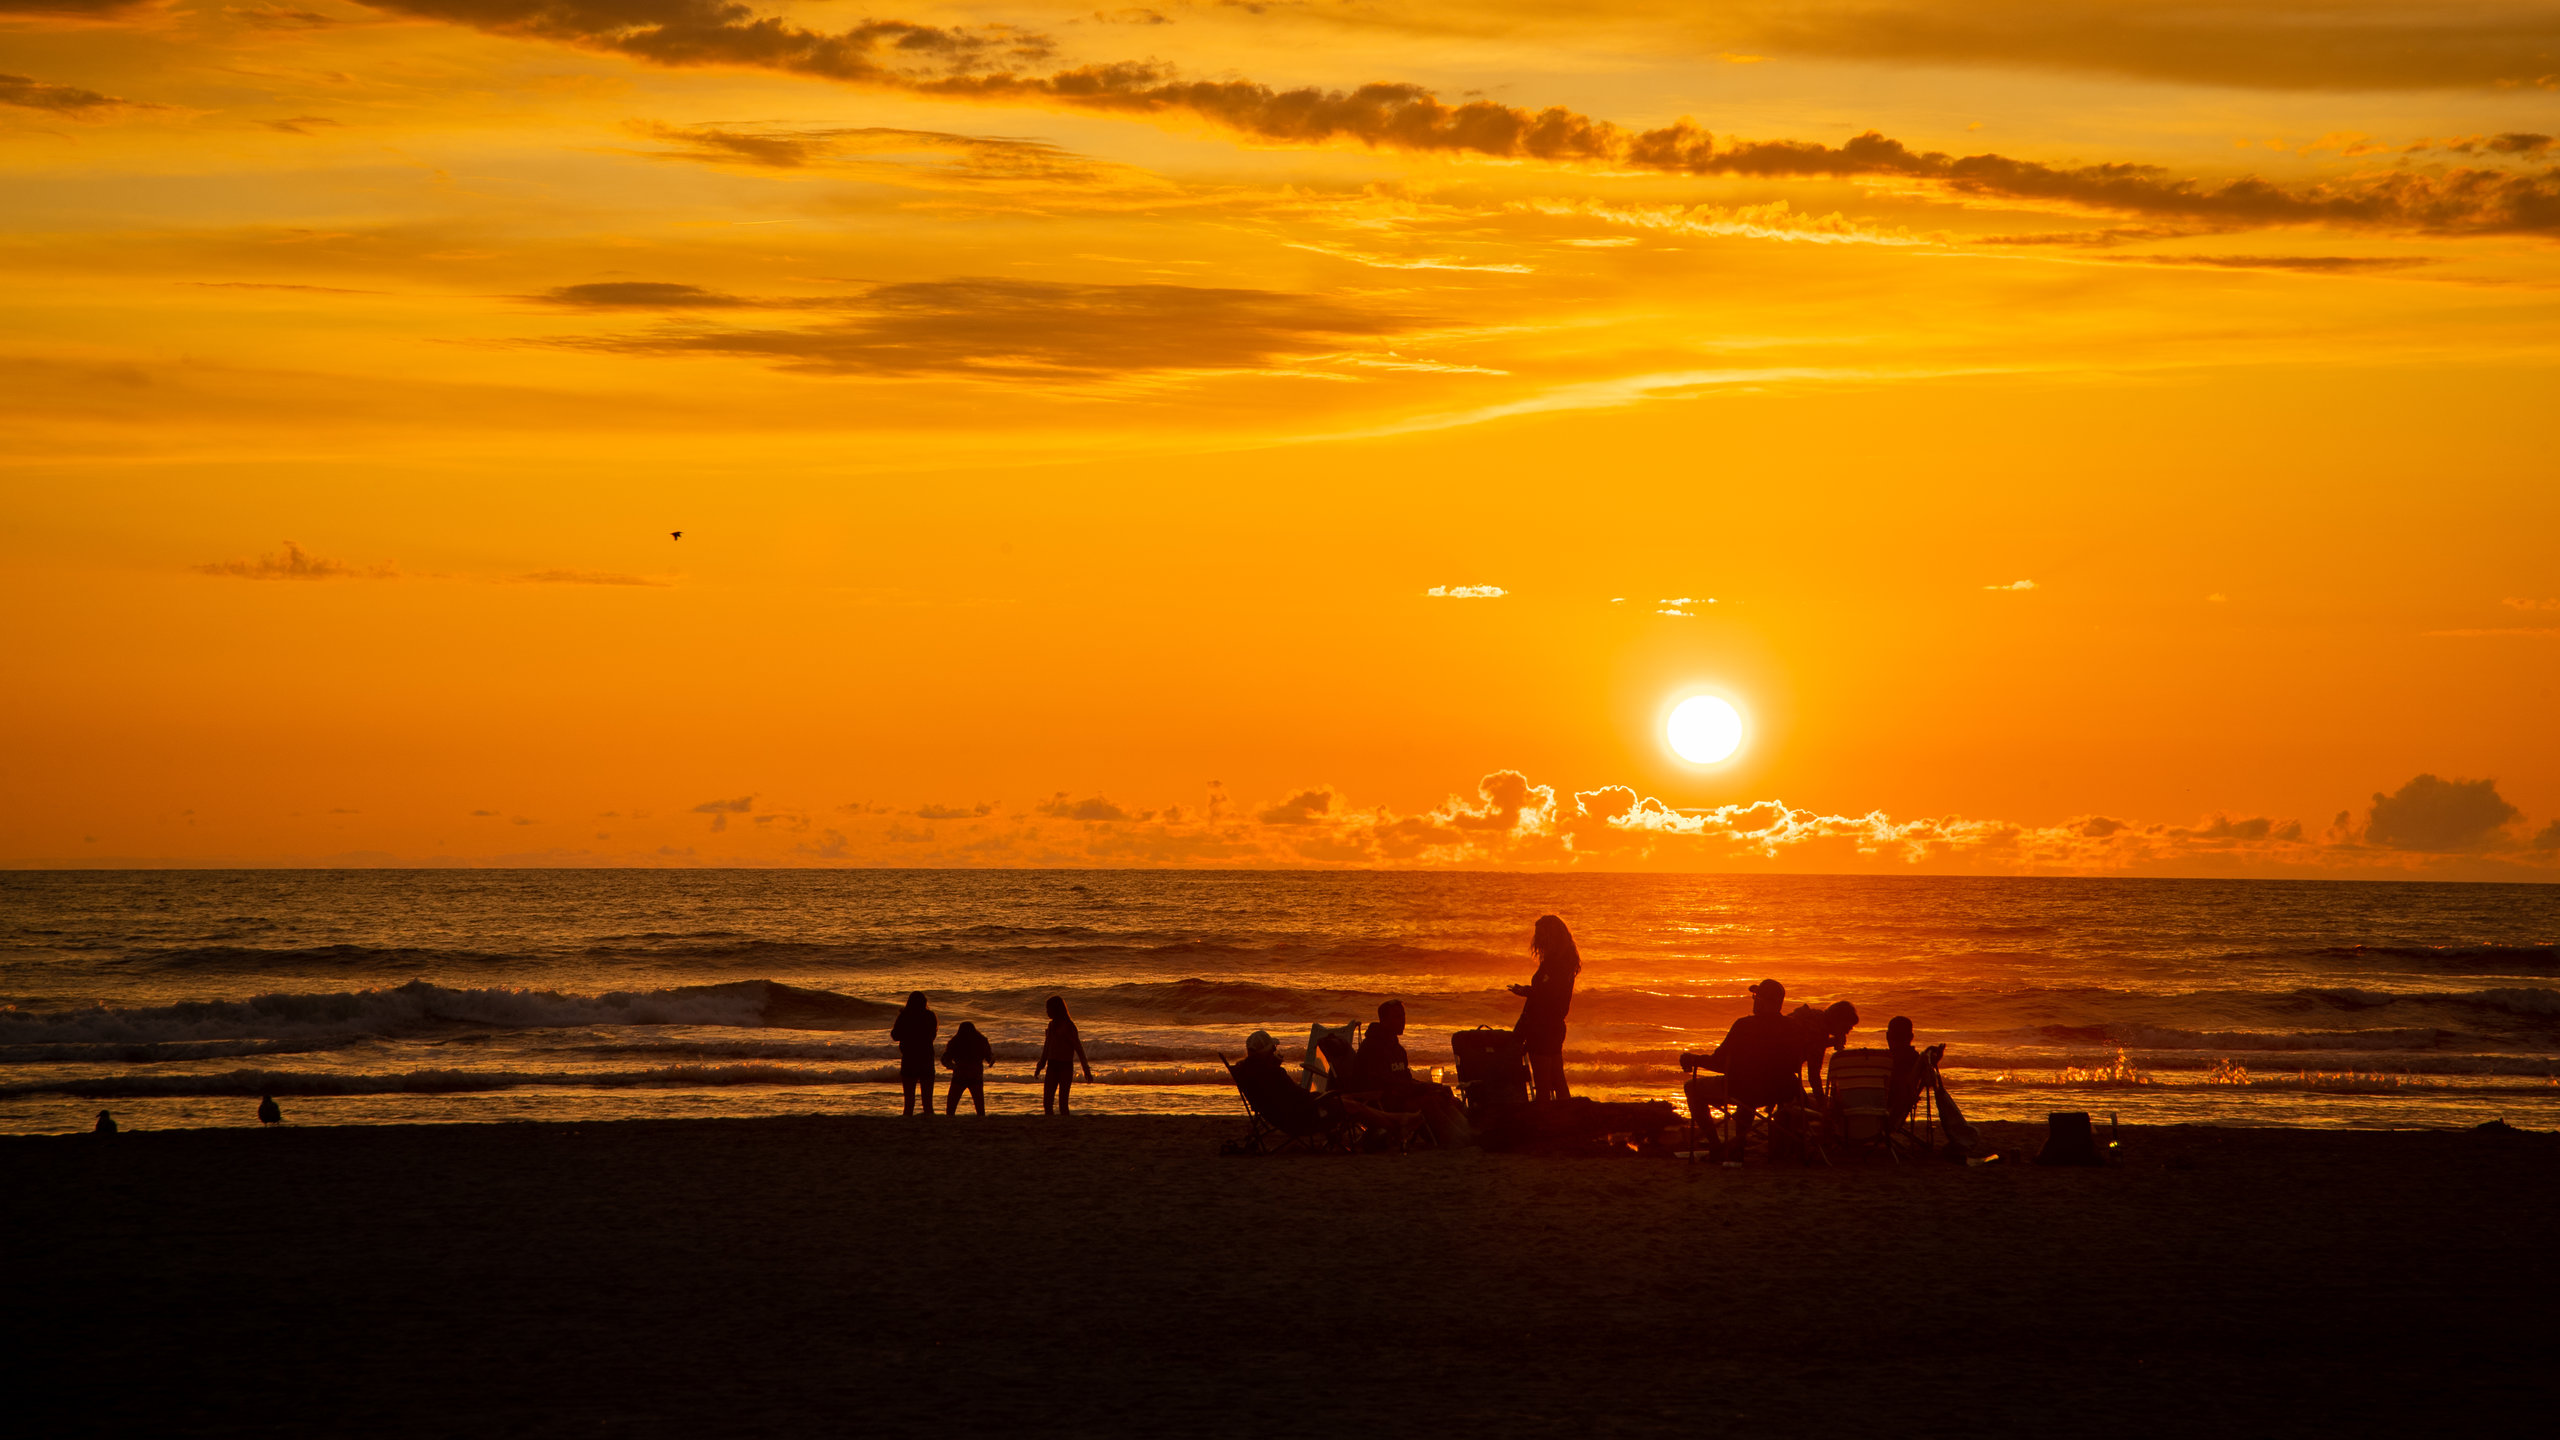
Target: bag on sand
[{"x": 2069, "y": 1140}]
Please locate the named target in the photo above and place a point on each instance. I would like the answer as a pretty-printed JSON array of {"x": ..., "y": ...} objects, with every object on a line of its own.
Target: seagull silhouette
[{"x": 675, "y": 534}]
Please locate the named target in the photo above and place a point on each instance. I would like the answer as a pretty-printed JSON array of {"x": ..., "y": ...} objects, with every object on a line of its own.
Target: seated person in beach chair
[
  {"x": 1760, "y": 1059},
  {"x": 1857, "y": 1113},
  {"x": 1382, "y": 1068},
  {"x": 1283, "y": 1108},
  {"x": 1915, "y": 1073}
]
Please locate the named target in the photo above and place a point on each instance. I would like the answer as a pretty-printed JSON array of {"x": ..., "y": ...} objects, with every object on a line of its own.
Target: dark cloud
[
  {"x": 1022, "y": 329},
  {"x": 2267, "y": 44},
  {"x": 301, "y": 124},
  {"x": 2440, "y": 816},
  {"x": 1304, "y": 808},
  {"x": 2300, "y": 264},
  {"x": 34, "y": 94},
  {"x": 1091, "y": 808},
  {"x": 278, "y": 17},
  {"x": 721, "y": 810},
  {"x": 975, "y": 157},
  {"x": 2548, "y": 837},
  {"x": 975, "y": 63},
  {"x": 292, "y": 563},
  {"x": 87, "y": 9},
  {"x": 954, "y": 812},
  {"x": 640, "y": 295}
]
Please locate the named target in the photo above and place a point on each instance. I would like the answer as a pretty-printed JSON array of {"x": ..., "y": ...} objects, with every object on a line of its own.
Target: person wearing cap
[
  {"x": 1760, "y": 1056},
  {"x": 1261, "y": 1053}
]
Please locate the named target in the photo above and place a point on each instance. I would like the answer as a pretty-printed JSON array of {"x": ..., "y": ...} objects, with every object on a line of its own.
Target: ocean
[{"x": 176, "y": 998}]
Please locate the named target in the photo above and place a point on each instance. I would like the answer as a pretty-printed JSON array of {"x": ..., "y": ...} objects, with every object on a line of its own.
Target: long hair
[
  {"x": 915, "y": 1000},
  {"x": 1058, "y": 1007},
  {"x": 1554, "y": 947}
]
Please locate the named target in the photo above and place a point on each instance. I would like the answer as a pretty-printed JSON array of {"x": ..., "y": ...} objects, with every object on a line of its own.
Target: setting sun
[{"x": 1705, "y": 730}]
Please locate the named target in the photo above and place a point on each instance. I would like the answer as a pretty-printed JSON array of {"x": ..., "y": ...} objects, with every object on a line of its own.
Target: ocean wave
[
  {"x": 2478, "y": 959},
  {"x": 161, "y": 1052},
  {"x": 419, "y": 1006},
  {"x": 289, "y": 1083}
]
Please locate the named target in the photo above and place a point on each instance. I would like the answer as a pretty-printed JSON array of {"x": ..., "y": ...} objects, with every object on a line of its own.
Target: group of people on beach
[
  {"x": 1774, "y": 1058},
  {"x": 1770, "y": 1057},
  {"x": 968, "y": 1055}
]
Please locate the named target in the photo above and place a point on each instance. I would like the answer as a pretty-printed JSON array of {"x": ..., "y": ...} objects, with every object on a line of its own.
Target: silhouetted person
[
  {"x": 1818, "y": 1031},
  {"x": 1759, "y": 1056},
  {"x": 1916, "y": 1071},
  {"x": 106, "y": 1124},
  {"x": 268, "y": 1113},
  {"x": 967, "y": 1058},
  {"x": 1383, "y": 1068},
  {"x": 1061, "y": 1050},
  {"x": 1381, "y": 1061},
  {"x": 1544, "y": 1002},
  {"x": 914, "y": 1032}
]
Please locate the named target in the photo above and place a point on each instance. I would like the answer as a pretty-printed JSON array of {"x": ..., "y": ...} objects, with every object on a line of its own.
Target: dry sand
[{"x": 1116, "y": 1276}]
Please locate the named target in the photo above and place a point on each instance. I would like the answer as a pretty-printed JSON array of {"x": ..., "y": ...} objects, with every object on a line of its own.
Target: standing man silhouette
[{"x": 914, "y": 1033}]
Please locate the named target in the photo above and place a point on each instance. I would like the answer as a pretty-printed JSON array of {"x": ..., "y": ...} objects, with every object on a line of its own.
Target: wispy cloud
[
  {"x": 32, "y": 94},
  {"x": 2013, "y": 585},
  {"x": 1467, "y": 592},
  {"x": 1011, "y": 329},
  {"x": 293, "y": 563},
  {"x": 589, "y": 577}
]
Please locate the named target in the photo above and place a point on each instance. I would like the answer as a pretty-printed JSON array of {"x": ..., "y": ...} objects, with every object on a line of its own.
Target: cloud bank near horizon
[{"x": 2429, "y": 828}]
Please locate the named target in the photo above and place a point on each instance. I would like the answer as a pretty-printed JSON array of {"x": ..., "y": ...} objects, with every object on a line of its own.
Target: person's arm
[{"x": 1080, "y": 1060}]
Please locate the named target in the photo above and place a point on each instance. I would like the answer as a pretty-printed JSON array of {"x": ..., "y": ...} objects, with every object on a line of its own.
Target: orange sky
[{"x": 1070, "y": 412}]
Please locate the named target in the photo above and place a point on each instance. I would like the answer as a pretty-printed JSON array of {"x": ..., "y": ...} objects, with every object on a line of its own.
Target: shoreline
[{"x": 1114, "y": 1275}]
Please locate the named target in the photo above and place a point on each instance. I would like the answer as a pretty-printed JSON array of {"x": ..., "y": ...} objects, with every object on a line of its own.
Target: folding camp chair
[
  {"x": 1859, "y": 1117},
  {"x": 1331, "y": 1053},
  {"x": 1283, "y": 1117}
]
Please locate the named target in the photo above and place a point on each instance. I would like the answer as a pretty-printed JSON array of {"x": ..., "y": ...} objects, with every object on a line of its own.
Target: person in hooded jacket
[{"x": 967, "y": 1058}]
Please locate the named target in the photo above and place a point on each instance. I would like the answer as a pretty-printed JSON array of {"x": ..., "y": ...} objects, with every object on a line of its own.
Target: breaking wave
[{"x": 421, "y": 1007}]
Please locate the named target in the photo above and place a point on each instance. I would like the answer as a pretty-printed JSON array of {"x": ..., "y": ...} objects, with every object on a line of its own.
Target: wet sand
[{"x": 1115, "y": 1276}]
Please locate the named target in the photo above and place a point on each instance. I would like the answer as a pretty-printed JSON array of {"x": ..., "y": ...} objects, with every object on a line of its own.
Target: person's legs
[
  {"x": 1546, "y": 1067},
  {"x": 1066, "y": 1086},
  {"x": 951, "y": 1104},
  {"x": 978, "y": 1095},
  {"x": 907, "y": 1082},
  {"x": 1049, "y": 1094}
]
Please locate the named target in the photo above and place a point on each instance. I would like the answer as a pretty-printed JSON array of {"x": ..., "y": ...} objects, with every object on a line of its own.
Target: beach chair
[
  {"x": 1280, "y": 1117},
  {"x": 1331, "y": 1051},
  {"x": 1859, "y": 1117}
]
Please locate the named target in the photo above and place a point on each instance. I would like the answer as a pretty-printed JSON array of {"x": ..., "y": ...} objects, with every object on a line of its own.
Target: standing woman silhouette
[
  {"x": 1060, "y": 1051},
  {"x": 1544, "y": 1002}
]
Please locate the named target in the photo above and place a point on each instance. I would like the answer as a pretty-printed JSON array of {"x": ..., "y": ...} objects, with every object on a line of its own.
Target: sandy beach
[{"x": 1117, "y": 1276}]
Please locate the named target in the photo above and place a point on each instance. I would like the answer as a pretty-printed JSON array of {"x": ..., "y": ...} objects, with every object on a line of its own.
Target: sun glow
[{"x": 1704, "y": 730}]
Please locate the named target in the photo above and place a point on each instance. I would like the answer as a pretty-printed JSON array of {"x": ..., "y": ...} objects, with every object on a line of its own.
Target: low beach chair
[
  {"x": 1283, "y": 1117},
  {"x": 1859, "y": 1116},
  {"x": 1331, "y": 1050}
]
